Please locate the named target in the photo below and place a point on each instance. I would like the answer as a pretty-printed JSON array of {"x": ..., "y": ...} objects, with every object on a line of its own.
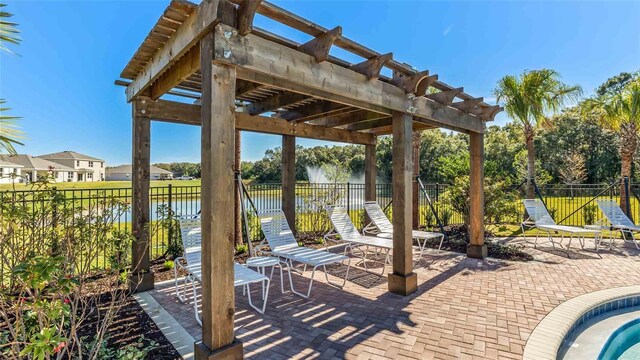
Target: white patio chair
[
  {"x": 284, "y": 245},
  {"x": 381, "y": 226},
  {"x": 347, "y": 232},
  {"x": 619, "y": 220},
  {"x": 190, "y": 230},
  {"x": 540, "y": 218}
]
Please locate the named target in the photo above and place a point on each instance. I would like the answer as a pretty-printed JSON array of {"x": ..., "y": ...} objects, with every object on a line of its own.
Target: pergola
[{"x": 237, "y": 77}]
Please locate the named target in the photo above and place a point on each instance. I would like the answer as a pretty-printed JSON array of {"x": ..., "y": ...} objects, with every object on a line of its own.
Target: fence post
[
  {"x": 170, "y": 214},
  {"x": 349, "y": 198}
]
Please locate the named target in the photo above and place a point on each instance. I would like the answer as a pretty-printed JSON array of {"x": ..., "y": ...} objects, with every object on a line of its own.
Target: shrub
[
  {"x": 589, "y": 212},
  {"x": 445, "y": 216},
  {"x": 499, "y": 199},
  {"x": 241, "y": 249},
  {"x": 50, "y": 290},
  {"x": 168, "y": 265}
]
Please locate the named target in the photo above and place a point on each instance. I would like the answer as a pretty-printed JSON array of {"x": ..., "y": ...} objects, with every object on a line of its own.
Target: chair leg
[{"x": 195, "y": 302}]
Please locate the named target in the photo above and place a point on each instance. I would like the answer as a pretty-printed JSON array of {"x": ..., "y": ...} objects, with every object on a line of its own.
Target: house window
[
  {"x": 69, "y": 175},
  {"x": 89, "y": 176},
  {"x": 77, "y": 162},
  {"x": 90, "y": 163},
  {"x": 101, "y": 165}
]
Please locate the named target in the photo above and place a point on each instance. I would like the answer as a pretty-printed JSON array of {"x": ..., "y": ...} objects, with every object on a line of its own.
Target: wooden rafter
[
  {"x": 445, "y": 97},
  {"x": 246, "y": 13},
  {"x": 201, "y": 20},
  {"x": 348, "y": 117},
  {"x": 319, "y": 46},
  {"x": 275, "y": 102},
  {"x": 467, "y": 105},
  {"x": 371, "y": 67},
  {"x": 489, "y": 113},
  {"x": 313, "y": 111},
  {"x": 409, "y": 83}
]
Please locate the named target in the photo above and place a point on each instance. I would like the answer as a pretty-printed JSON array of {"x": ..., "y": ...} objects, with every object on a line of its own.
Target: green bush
[
  {"x": 589, "y": 212},
  {"x": 168, "y": 265}
]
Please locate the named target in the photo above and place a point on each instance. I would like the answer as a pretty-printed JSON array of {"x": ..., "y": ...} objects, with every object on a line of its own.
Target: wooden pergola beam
[
  {"x": 313, "y": 111},
  {"x": 189, "y": 114},
  {"x": 274, "y": 102},
  {"x": 283, "y": 65},
  {"x": 347, "y": 118},
  {"x": 489, "y": 113},
  {"x": 202, "y": 20}
]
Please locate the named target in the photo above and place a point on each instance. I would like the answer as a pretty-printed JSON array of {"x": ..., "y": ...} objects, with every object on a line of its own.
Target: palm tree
[
  {"x": 8, "y": 131},
  {"x": 529, "y": 99},
  {"x": 620, "y": 112}
]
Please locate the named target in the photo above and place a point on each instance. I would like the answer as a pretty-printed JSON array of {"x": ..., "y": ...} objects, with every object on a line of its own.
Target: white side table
[
  {"x": 262, "y": 263},
  {"x": 599, "y": 239}
]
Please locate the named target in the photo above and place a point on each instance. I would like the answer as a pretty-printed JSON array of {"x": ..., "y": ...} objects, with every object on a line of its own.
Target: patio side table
[{"x": 262, "y": 263}]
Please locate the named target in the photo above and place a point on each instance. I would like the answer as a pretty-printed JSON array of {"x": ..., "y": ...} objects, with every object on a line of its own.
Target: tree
[
  {"x": 620, "y": 112},
  {"x": 615, "y": 85},
  {"x": 574, "y": 170},
  {"x": 528, "y": 99},
  {"x": 9, "y": 133}
]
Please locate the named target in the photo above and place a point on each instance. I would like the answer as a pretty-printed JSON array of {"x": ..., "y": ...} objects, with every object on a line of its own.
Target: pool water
[{"x": 624, "y": 343}]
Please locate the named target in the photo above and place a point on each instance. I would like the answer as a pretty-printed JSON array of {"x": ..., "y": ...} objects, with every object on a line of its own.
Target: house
[
  {"x": 123, "y": 173},
  {"x": 9, "y": 172},
  {"x": 34, "y": 168},
  {"x": 88, "y": 167}
]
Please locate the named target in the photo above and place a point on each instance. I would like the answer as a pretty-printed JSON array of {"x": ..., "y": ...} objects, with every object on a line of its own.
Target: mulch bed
[
  {"x": 130, "y": 323},
  {"x": 458, "y": 239}
]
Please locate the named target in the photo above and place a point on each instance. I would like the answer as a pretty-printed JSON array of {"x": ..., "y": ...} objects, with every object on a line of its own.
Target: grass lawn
[{"x": 103, "y": 185}]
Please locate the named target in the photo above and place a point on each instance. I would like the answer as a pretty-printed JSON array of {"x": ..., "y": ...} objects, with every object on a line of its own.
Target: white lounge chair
[
  {"x": 284, "y": 245},
  {"x": 190, "y": 230},
  {"x": 618, "y": 219},
  {"x": 540, "y": 218},
  {"x": 381, "y": 226},
  {"x": 344, "y": 229}
]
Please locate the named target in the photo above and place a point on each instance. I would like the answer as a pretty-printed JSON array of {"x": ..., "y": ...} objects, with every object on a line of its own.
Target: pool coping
[{"x": 546, "y": 339}]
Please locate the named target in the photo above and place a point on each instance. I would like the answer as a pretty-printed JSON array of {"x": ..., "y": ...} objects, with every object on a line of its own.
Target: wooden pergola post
[
  {"x": 370, "y": 174},
  {"x": 289, "y": 179},
  {"x": 403, "y": 280},
  {"x": 476, "y": 248},
  {"x": 217, "y": 216},
  {"x": 141, "y": 278}
]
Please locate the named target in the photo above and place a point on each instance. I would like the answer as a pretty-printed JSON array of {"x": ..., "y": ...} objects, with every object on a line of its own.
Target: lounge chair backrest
[
  {"x": 342, "y": 223},
  {"x": 276, "y": 230},
  {"x": 538, "y": 212},
  {"x": 191, "y": 234},
  {"x": 614, "y": 213},
  {"x": 378, "y": 216}
]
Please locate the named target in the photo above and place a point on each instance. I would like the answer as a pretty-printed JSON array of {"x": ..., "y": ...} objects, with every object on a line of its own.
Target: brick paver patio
[{"x": 463, "y": 309}]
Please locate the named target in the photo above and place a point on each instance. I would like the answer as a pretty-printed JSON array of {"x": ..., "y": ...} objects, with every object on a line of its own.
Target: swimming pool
[{"x": 624, "y": 343}]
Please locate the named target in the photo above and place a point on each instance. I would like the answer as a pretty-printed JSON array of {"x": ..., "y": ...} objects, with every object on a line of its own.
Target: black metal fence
[{"x": 569, "y": 205}]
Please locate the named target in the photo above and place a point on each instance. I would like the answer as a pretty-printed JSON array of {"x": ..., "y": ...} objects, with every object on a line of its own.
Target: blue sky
[{"x": 61, "y": 81}]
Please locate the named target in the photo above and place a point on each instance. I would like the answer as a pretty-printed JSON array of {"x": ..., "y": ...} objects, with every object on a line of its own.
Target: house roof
[
  {"x": 6, "y": 163},
  {"x": 29, "y": 162},
  {"x": 126, "y": 169},
  {"x": 69, "y": 155}
]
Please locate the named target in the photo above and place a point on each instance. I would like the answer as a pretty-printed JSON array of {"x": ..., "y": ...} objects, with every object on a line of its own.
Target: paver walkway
[{"x": 463, "y": 309}]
